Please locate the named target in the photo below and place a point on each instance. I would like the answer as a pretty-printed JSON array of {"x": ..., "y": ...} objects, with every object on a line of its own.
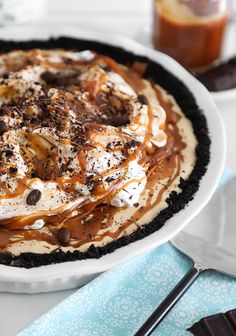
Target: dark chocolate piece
[
  {"x": 223, "y": 324},
  {"x": 220, "y": 77},
  {"x": 231, "y": 315}
]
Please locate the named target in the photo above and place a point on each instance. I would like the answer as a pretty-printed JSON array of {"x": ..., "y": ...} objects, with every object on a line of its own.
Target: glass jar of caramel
[{"x": 191, "y": 31}]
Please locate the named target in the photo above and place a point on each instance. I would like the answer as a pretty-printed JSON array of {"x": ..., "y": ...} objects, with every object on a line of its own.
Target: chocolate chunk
[
  {"x": 119, "y": 121},
  {"x": 223, "y": 324},
  {"x": 8, "y": 153},
  {"x": 220, "y": 77},
  {"x": 63, "y": 235},
  {"x": 33, "y": 197},
  {"x": 143, "y": 99},
  {"x": 3, "y": 127},
  {"x": 49, "y": 77},
  {"x": 13, "y": 170},
  {"x": 46, "y": 169},
  {"x": 34, "y": 174},
  {"x": 132, "y": 143},
  {"x": 110, "y": 179}
]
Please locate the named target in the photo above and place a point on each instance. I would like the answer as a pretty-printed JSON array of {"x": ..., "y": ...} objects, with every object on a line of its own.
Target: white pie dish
[
  {"x": 224, "y": 96},
  {"x": 76, "y": 273}
]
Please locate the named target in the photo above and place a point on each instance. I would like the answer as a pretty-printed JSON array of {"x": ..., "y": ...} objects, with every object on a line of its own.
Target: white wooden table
[{"x": 131, "y": 18}]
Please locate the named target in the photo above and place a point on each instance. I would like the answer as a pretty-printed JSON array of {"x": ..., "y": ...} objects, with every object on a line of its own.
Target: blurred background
[{"x": 127, "y": 17}]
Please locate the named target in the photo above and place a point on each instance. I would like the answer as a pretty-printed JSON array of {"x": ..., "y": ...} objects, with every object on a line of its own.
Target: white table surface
[{"x": 131, "y": 18}]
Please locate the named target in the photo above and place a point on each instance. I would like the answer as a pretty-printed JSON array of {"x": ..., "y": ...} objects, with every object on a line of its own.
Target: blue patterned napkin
[{"x": 118, "y": 301}]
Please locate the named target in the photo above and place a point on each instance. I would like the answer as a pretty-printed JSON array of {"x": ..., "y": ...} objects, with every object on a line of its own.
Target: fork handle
[{"x": 168, "y": 303}]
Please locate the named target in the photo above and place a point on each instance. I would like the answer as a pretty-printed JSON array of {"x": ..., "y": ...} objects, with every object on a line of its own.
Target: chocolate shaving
[{"x": 3, "y": 127}]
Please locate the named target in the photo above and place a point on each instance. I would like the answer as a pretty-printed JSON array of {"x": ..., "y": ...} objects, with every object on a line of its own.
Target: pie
[{"x": 98, "y": 148}]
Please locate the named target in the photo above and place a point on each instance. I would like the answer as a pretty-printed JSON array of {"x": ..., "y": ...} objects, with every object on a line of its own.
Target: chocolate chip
[
  {"x": 33, "y": 197},
  {"x": 49, "y": 77},
  {"x": 143, "y": 99},
  {"x": 13, "y": 170},
  {"x": 34, "y": 174},
  {"x": 3, "y": 127},
  {"x": 63, "y": 235},
  {"x": 8, "y": 153}
]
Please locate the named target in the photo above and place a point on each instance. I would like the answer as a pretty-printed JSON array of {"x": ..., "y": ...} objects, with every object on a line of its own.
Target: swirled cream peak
[{"x": 73, "y": 131}]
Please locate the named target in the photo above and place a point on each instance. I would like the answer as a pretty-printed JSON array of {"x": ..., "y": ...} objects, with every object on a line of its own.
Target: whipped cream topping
[{"x": 72, "y": 128}]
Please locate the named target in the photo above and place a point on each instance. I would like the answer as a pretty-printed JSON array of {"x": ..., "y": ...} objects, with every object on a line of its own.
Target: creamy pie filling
[{"x": 89, "y": 150}]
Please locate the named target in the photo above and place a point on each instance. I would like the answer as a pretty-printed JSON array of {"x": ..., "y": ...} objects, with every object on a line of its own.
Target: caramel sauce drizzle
[{"x": 96, "y": 217}]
